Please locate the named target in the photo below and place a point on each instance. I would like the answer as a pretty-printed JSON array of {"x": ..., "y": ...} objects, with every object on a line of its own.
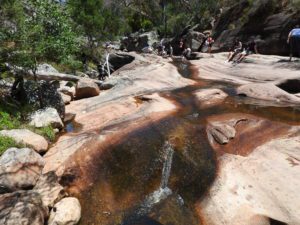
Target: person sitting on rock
[
  {"x": 236, "y": 49},
  {"x": 294, "y": 42},
  {"x": 250, "y": 48},
  {"x": 187, "y": 53}
]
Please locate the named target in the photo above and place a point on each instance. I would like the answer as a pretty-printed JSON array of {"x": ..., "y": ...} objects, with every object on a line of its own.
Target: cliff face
[{"x": 268, "y": 21}]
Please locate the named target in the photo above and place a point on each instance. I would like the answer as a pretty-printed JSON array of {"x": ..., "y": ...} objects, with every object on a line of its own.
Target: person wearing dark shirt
[
  {"x": 250, "y": 48},
  {"x": 236, "y": 49},
  {"x": 294, "y": 42}
]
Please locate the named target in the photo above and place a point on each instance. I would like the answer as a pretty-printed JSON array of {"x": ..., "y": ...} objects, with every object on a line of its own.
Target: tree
[{"x": 40, "y": 30}]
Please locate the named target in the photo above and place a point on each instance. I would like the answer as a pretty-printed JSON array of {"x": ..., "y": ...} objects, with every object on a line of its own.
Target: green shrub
[
  {"x": 7, "y": 142},
  {"x": 8, "y": 122},
  {"x": 46, "y": 132}
]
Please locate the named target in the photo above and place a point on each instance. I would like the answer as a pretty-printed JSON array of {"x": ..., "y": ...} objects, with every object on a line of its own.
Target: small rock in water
[{"x": 65, "y": 212}]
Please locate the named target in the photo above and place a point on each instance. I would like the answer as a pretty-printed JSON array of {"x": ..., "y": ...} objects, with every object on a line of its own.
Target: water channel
[{"x": 158, "y": 173}]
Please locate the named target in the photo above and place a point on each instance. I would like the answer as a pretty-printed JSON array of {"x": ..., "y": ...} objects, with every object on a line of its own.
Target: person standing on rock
[
  {"x": 294, "y": 42},
  {"x": 209, "y": 42}
]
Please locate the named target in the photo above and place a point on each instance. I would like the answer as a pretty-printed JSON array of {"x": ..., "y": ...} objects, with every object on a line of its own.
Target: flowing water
[{"x": 157, "y": 173}]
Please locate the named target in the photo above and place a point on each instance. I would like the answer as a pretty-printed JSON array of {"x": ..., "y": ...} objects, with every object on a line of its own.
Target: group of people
[{"x": 239, "y": 51}]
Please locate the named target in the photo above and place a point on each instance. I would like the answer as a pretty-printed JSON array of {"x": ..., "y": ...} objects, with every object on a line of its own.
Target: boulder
[
  {"x": 117, "y": 60},
  {"x": 69, "y": 117},
  {"x": 28, "y": 138},
  {"x": 49, "y": 189},
  {"x": 86, "y": 89},
  {"x": 65, "y": 212},
  {"x": 46, "y": 68},
  {"x": 137, "y": 41},
  {"x": 192, "y": 39},
  {"x": 66, "y": 98},
  {"x": 22, "y": 207},
  {"x": 20, "y": 168},
  {"x": 46, "y": 117},
  {"x": 34, "y": 93},
  {"x": 222, "y": 133},
  {"x": 70, "y": 91},
  {"x": 269, "y": 92},
  {"x": 210, "y": 97}
]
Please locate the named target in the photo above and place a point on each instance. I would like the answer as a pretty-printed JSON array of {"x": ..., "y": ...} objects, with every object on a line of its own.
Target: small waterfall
[
  {"x": 166, "y": 171},
  {"x": 163, "y": 191}
]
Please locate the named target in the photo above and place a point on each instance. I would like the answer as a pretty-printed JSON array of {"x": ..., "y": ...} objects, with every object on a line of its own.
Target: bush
[
  {"x": 8, "y": 122},
  {"x": 7, "y": 142},
  {"x": 47, "y": 132}
]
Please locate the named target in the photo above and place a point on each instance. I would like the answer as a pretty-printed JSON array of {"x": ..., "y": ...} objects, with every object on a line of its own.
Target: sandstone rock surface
[
  {"x": 117, "y": 107},
  {"x": 46, "y": 117},
  {"x": 210, "y": 97},
  {"x": 256, "y": 189},
  {"x": 269, "y": 92},
  {"x": 28, "y": 138},
  {"x": 20, "y": 168},
  {"x": 65, "y": 212}
]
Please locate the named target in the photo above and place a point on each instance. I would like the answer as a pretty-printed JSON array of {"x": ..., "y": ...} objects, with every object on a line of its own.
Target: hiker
[
  {"x": 250, "y": 48},
  {"x": 294, "y": 42},
  {"x": 187, "y": 53},
  {"x": 209, "y": 42},
  {"x": 181, "y": 46},
  {"x": 236, "y": 49}
]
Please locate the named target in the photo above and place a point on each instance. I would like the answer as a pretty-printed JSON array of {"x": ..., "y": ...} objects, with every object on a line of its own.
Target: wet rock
[
  {"x": 69, "y": 117},
  {"x": 210, "y": 97},
  {"x": 86, "y": 89},
  {"x": 268, "y": 92},
  {"x": 28, "y": 138},
  {"x": 222, "y": 133},
  {"x": 49, "y": 189},
  {"x": 22, "y": 207},
  {"x": 46, "y": 68},
  {"x": 46, "y": 117},
  {"x": 66, "y": 98},
  {"x": 65, "y": 212},
  {"x": 245, "y": 125},
  {"x": 20, "y": 168}
]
